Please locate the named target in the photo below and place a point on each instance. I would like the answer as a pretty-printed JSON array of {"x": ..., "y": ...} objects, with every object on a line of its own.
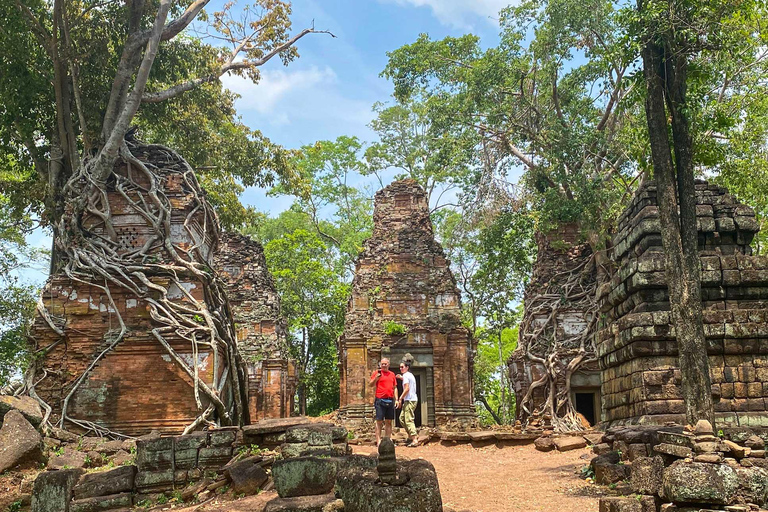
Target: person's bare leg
[
  {"x": 378, "y": 432},
  {"x": 388, "y": 428}
]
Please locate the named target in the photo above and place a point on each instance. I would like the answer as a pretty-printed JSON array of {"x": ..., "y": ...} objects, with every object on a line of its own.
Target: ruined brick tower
[
  {"x": 636, "y": 344},
  {"x": 112, "y": 355},
  {"x": 261, "y": 330},
  {"x": 405, "y": 304},
  {"x": 555, "y": 351}
]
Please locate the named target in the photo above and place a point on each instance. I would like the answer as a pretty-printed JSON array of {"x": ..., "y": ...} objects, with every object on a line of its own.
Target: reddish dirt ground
[
  {"x": 508, "y": 479},
  {"x": 489, "y": 479}
]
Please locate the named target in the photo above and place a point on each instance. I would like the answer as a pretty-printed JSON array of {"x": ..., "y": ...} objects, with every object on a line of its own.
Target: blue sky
[{"x": 330, "y": 89}]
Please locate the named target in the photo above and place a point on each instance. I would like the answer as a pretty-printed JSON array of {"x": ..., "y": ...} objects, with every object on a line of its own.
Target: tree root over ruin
[
  {"x": 546, "y": 345},
  {"x": 87, "y": 243}
]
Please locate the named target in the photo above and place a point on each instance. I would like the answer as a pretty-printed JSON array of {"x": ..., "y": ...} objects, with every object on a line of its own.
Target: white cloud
[
  {"x": 461, "y": 13},
  {"x": 275, "y": 87}
]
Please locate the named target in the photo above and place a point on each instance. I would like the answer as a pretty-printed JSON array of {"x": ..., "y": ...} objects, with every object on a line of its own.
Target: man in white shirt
[{"x": 407, "y": 402}]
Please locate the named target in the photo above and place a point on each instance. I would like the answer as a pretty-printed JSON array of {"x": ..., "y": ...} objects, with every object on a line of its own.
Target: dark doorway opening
[
  {"x": 417, "y": 413},
  {"x": 585, "y": 405}
]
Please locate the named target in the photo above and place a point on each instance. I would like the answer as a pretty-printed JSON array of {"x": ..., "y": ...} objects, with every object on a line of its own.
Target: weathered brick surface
[
  {"x": 403, "y": 276},
  {"x": 261, "y": 330},
  {"x": 636, "y": 341},
  {"x": 137, "y": 386}
]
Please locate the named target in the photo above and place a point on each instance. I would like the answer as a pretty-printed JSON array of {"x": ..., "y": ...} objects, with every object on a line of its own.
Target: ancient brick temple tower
[
  {"x": 636, "y": 344},
  {"x": 143, "y": 377},
  {"x": 554, "y": 330},
  {"x": 261, "y": 330},
  {"x": 405, "y": 304}
]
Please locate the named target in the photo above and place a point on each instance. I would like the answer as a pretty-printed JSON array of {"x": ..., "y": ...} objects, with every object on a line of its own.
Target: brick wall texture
[
  {"x": 636, "y": 340},
  {"x": 261, "y": 330}
]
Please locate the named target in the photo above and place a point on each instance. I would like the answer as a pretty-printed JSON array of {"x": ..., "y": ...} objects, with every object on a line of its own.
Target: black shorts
[{"x": 385, "y": 408}]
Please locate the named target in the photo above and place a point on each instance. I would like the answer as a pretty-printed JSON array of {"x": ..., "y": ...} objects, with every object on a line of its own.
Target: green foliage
[
  {"x": 313, "y": 296},
  {"x": 491, "y": 388},
  {"x": 17, "y": 298},
  {"x": 549, "y": 97},
  {"x": 201, "y": 124},
  {"x": 587, "y": 472},
  {"x": 248, "y": 451},
  {"x": 340, "y": 212},
  {"x": 409, "y": 140},
  {"x": 394, "y": 329}
]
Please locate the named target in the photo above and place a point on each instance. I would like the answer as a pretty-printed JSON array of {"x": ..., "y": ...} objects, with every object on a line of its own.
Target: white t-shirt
[{"x": 409, "y": 379}]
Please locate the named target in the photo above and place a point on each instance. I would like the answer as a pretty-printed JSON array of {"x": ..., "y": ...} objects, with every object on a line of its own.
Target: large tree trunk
[{"x": 665, "y": 77}]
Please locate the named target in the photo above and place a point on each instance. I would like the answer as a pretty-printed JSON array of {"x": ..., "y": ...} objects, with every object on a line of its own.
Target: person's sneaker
[{"x": 412, "y": 444}]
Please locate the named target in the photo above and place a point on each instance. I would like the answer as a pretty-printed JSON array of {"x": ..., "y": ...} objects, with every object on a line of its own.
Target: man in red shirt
[{"x": 386, "y": 396}]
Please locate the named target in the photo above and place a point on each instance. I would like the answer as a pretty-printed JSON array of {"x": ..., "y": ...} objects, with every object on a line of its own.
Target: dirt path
[
  {"x": 490, "y": 479},
  {"x": 509, "y": 479}
]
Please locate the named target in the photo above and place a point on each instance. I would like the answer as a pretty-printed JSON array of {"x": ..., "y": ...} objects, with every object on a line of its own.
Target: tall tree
[
  {"x": 409, "y": 142},
  {"x": 672, "y": 35},
  {"x": 313, "y": 299},
  {"x": 108, "y": 62}
]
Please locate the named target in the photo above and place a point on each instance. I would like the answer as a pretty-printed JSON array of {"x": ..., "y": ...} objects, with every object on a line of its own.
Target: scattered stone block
[
  {"x": 20, "y": 443},
  {"x": 674, "y": 450},
  {"x": 121, "y": 458},
  {"x": 486, "y": 436},
  {"x": 697, "y": 482},
  {"x": 247, "y": 476},
  {"x": 608, "y": 470},
  {"x": 303, "y": 504},
  {"x": 594, "y": 438},
  {"x": 564, "y": 444},
  {"x": 304, "y": 476},
  {"x": 601, "y": 448},
  {"x": 606, "y": 474},
  {"x": 26, "y": 405},
  {"x": 105, "y": 483},
  {"x": 753, "y": 485},
  {"x": 709, "y": 458},
  {"x": 544, "y": 444},
  {"x": 154, "y": 481},
  {"x": 361, "y": 491},
  {"x": 293, "y": 449},
  {"x": 678, "y": 439},
  {"x": 734, "y": 449},
  {"x": 703, "y": 427},
  {"x": 52, "y": 490},
  {"x": 214, "y": 457},
  {"x": 637, "y": 450},
  {"x": 459, "y": 437},
  {"x": 754, "y": 443},
  {"x": 646, "y": 475},
  {"x": 69, "y": 459},
  {"x": 97, "y": 503},
  {"x": 630, "y": 504}
]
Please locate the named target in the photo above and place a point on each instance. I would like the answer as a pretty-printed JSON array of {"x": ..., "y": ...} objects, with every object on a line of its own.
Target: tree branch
[
  {"x": 107, "y": 155},
  {"x": 172, "y": 92}
]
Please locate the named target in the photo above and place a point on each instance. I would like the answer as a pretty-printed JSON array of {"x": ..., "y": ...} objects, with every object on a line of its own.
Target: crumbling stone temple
[
  {"x": 624, "y": 325},
  {"x": 636, "y": 341},
  {"x": 555, "y": 360},
  {"x": 140, "y": 341},
  {"x": 405, "y": 305},
  {"x": 260, "y": 328}
]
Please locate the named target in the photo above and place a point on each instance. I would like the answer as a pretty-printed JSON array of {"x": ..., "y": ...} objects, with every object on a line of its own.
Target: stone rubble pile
[
  {"x": 187, "y": 468},
  {"x": 677, "y": 469}
]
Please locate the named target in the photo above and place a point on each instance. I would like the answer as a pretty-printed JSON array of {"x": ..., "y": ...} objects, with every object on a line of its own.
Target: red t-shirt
[{"x": 385, "y": 386}]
